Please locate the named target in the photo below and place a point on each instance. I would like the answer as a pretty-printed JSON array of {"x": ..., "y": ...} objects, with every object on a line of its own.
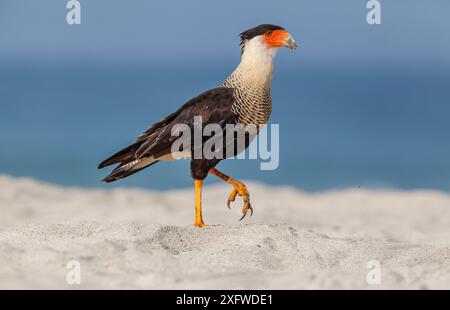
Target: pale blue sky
[{"x": 413, "y": 33}]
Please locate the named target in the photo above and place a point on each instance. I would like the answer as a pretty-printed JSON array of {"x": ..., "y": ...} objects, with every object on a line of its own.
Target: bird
[{"x": 241, "y": 99}]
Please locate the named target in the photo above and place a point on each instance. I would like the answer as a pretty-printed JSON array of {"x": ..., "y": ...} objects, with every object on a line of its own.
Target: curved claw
[
  {"x": 232, "y": 198},
  {"x": 242, "y": 217},
  {"x": 241, "y": 190},
  {"x": 245, "y": 209}
]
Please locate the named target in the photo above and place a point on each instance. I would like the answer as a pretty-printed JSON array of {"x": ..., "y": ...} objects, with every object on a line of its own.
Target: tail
[
  {"x": 146, "y": 151},
  {"x": 124, "y": 155},
  {"x": 126, "y": 169},
  {"x": 129, "y": 164}
]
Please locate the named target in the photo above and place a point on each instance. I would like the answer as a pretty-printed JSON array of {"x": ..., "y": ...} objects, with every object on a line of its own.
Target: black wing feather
[{"x": 214, "y": 106}]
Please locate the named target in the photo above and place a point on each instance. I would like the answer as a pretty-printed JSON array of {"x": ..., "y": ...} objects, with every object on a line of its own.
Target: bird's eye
[{"x": 268, "y": 32}]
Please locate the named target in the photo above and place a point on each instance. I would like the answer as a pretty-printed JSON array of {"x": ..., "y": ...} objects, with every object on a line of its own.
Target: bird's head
[{"x": 267, "y": 36}]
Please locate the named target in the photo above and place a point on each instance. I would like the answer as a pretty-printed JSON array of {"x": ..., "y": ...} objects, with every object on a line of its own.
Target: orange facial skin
[{"x": 276, "y": 38}]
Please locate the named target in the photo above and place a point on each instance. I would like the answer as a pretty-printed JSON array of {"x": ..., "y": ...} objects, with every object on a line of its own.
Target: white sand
[{"x": 128, "y": 238}]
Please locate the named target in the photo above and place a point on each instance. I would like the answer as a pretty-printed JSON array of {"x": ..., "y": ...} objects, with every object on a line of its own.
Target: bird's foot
[
  {"x": 241, "y": 190},
  {"x": 199, "y": 223}
]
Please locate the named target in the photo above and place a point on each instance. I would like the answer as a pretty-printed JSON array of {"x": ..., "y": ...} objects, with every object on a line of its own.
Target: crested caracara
[{"x": 243, "y": 98}]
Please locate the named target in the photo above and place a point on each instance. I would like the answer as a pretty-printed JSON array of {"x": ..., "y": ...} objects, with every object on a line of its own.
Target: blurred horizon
[{"x": 358, "y": 104}]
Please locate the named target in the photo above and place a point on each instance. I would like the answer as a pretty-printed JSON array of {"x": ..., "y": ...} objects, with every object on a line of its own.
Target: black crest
[{"x": 257, "y": 31}]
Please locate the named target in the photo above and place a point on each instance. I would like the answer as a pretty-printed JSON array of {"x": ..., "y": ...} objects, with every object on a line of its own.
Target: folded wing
[{"x": 213, "y": 106}]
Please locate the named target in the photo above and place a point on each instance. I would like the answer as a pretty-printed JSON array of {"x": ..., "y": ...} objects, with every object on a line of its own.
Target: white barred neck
[{"x": 256, "y": 64}]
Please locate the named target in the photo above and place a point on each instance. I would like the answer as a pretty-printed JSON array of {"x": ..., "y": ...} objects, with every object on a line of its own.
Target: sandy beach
[{"x": 139, "y": 239}]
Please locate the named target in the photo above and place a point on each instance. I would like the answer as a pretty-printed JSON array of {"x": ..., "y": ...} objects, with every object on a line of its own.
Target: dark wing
[{"x": 214, "y": 106}]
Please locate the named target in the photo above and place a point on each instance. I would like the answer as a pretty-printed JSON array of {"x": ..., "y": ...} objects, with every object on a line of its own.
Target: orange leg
[
  {"x": 239, "y": 188},
  {"x": 198, "y": 204}
]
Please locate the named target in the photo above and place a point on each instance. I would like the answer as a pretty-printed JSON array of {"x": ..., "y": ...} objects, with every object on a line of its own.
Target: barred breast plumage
[{"x": 253, "y": 103}]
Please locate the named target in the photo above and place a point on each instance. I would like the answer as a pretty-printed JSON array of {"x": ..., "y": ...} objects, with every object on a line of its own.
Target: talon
[
  {"x": 242, "y": 191},
  {"x": 242, "y": 217},
  {"x": 245, "y": 209},
  {"x": 239, "y": 188},
  {"x": 232, "y": 198}
]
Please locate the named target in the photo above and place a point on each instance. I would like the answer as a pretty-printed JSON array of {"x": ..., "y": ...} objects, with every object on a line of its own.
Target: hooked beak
[{"x": 289, "y": 42}]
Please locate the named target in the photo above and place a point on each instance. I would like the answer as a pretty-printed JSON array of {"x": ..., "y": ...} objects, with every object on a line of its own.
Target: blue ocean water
[{"x": 338, "y": 128}]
